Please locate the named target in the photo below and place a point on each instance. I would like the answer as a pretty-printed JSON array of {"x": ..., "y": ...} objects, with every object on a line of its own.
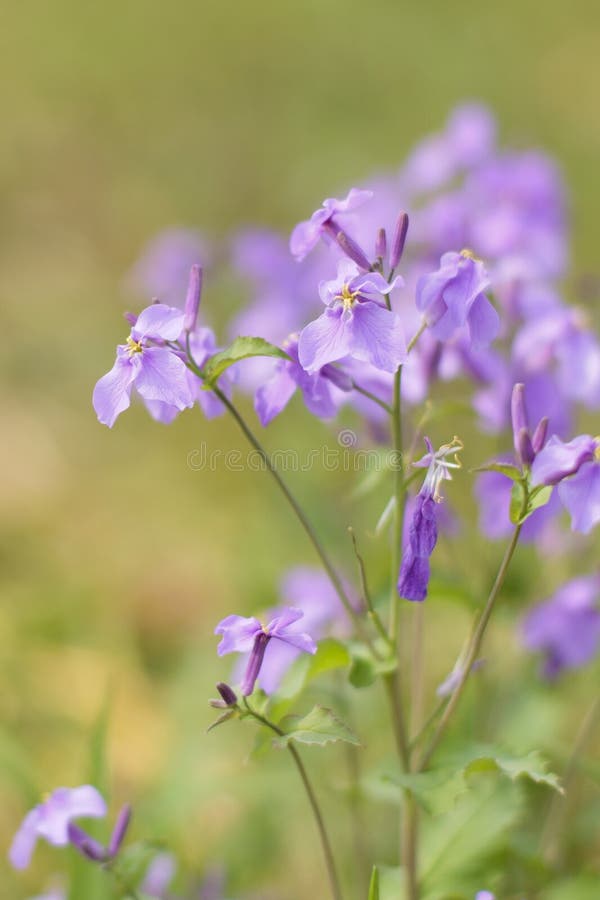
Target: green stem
[
  {"x": 293, "y": 503},
  {"x": 373, "y": 615},
  {"x": 312, "y": 799},
  {"x": 373, "y": 397},
  {"x": 399, "y": 503},
  {"x": 473, "y": 653}
]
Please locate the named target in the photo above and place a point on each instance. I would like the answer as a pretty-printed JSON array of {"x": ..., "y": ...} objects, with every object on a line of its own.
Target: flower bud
[
  {"x": 120, "y": 830},
  {"x": 227, "y": 693},
  {"x": 539, "y": 435},
  {"x": 524, "y": 448},
  {"x": 192, "y": 300},
  {"x": 381, "y": 244},
  {"x": 398, "y": 240},
  {"x": 352, "y": 250},
  {"x": 86, "y": 845},
  {"x": 517, "y": 410}
]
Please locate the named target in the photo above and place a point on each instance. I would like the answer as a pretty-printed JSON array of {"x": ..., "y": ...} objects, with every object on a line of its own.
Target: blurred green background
[{"x": 116, "y": 560}]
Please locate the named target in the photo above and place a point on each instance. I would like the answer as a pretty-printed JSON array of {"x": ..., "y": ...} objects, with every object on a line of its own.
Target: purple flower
[
  {"x": 242, "y": 635},
  {"x": 159, "y": 875},
  {"x": 485, "y": 895},
  {"x": 526, "y": 444},
  {"x": 575, "y": 468},
  {"x": 146, "y": 363},
  {"x": 321, "y": 390},
  {"x": 356, "y": 323},
  {"x": 163, "y": 268},
  {"x": 52, "y": 895},
  {"x": 306, "y": 235},
  {"x": 566, "y": 628},
  {"x": 453, "y": 297},
  {"x": 413, "y": 579},
  {"x": 52, "y": 818}
]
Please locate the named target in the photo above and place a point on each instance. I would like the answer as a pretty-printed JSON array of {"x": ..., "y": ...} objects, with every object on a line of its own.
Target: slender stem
[
  {"x": 399, "y": 503},
  {"x": 373, "y": 397},
  {"x": 373, "y": 615},
  {"x": 416, "y": 336},
  {"x": 293, "y": 503},
  {"x": 473, "y": 651},
  {"x": 312, "y": 799},
  {"x": 418, "y": 737},
  {"x": 417, "y": 673},
  {"x": 554, "y": 823}
]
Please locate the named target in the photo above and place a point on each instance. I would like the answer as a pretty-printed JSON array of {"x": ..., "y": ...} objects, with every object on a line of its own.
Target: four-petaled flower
[
  {"x": 320, "y": 389},
  {"x": 52, "y": 818},
  {"x": 575, "y": 468},
  {"x": 356, "y": 323},
  {"x": 306, "y": 235},
  {"x": 453, "y": 298},
  {"x": 243, "y": 635},
  {"x": 566, "y": 628},
  {"x": 147, "y": 363}
]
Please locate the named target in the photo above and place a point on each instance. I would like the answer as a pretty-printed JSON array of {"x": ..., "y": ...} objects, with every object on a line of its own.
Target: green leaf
[
  {"x": 366, "y": 668},
  {"x": 241, "y": 348},
  {"x": 533, "y": 766},
  {"x": 374, "y": 885},
  {"x": 321, "y": 726},
  {"x": 518, "y": 500},
  {"x": 539, "y": 496},
  {"x": 456, "y": 847},
  {"x": 511, "y": 472}
]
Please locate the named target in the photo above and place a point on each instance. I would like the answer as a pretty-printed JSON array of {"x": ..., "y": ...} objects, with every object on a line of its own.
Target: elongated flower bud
[
  {"x": 398, "y": 240},
  {"x": 517, "y": 411},
  {"x": 255, "y": 662},
  {"x": 228, "y": 696},
  {"x": 352, "y": 250},
  {"x": 524, "y": 447},
  {"x": 192, "y": 300},
  {"x": 381, "y": 244},
  {"x": 539, "y": 435},
  {"x": 120, "y": 830},
  {"x": 86, "y": 845}
]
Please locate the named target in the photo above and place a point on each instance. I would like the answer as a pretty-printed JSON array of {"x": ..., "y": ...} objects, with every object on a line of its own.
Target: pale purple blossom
[
  {"x": 51, "y": 820},
  {"x": 453, "y": 298},
  {"x": 575, "y": 468},
  {"x": 356, "y": 323},
  {"x": 159, "y": 876},
  {"x": 146, "y": 363},
  {"x": 248, "y": 635},
  {"x": 566, "y": 628},
  {"x": 164, "y": 265},
  {"x": 306, "y": 235},
  {"x": 322, "y": 391}
]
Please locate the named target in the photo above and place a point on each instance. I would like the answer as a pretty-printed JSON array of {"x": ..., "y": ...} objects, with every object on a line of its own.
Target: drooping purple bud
[
  {"x": 341, "y": 379},
  {"x": 255, "y": 662},
  {"x": 539, "y": 435},
  {"x": 524, "y": 448},
  {"x": 352, "y": 250},
  {"x": 381, "y": 244},
  {"x": 398, "y": 240},
  {"x": 228, "y": 697},
  {"x": 86, "y": 845},
  {"x": 192, "y": 300},
  {"x": 120, "y": 830}
]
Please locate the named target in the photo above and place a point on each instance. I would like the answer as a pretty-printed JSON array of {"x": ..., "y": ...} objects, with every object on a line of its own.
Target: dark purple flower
[
  {"x": 144, "y": 362},
  {"x": 566, "y": 628},
  {"x": 306, "y": 235},
  {"x": 51, "y": 820},
  {"x": 453, "y": 298},
  {"x": 322, "y": 391},
  {"x": 413, "y": 578},
  {"x": 243, "y": 635},
  {"x": 356, "y": 323},
  {"x": 575, "y": 468}
]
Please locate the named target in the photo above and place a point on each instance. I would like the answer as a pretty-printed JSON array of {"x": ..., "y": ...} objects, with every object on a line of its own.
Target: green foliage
[
  {"x": 320, "y": 726},
  {"x": 374, "y": 885},
  {"x": 511, "y": 472},
  {"x": 240, "y": 348},
  {"x": 366, "y": 668},
  {"x": 524, "y": 500}
]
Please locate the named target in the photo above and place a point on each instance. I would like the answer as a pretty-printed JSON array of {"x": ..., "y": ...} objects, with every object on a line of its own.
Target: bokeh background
[{"x": 116, "y": 559}]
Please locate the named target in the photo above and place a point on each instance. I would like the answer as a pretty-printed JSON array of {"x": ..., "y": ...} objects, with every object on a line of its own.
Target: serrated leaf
[
  {"x": 506, "y": 469},
  {"x": 533, "y": 766},
  {"x": 241, "y": 348},
  {"x": 320, "y": 726}
]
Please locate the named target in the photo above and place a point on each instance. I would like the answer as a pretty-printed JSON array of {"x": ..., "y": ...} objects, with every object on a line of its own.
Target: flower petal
[
  {"x": 112, "y": 393},
  {"x": 159, "y": 321},
  {"x": 327, "y": 339},
  {"x": 377, "y": 336},
  {"x": 558, "y": 460},
  {"x": 274, "y": 394},
  {"x": 163, "y": 376},
  {"x": 238, "y": 634},
  {"x": 581, "y": 496}
]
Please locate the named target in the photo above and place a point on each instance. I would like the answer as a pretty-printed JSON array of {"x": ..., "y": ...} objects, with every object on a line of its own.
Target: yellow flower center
[
  {"x": 467, "y": 253},
  {"x": 133, "y": 347},
  {"x": 348, "y": 297}
]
